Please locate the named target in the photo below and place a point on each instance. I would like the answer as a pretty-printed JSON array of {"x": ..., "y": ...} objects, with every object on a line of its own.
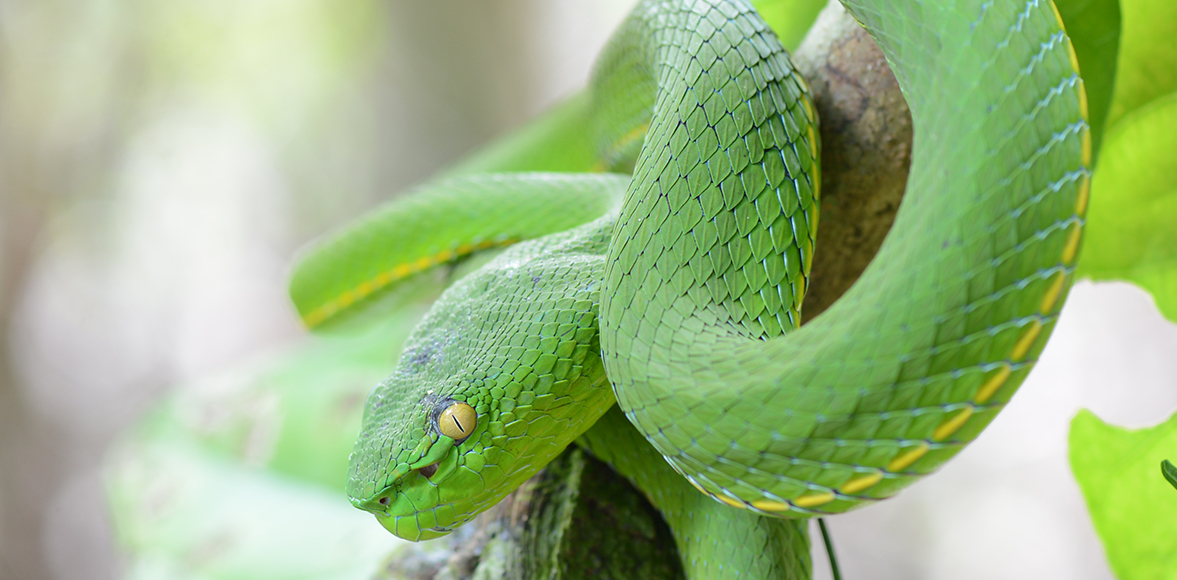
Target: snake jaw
[
  {"x": 408, "y": 528},
  {"x": 416, "y": 512}
]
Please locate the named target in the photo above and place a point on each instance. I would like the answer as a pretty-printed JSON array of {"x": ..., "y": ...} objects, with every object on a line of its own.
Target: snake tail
[{"x": 435, "y": 225}]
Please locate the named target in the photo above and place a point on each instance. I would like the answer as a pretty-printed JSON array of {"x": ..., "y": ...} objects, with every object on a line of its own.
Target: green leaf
[
  {"x": 1147, "y": 68},
  {"x": 182, "y": 512},
  {"x": 1169, "y": 472},
  {"x": 789, "y": 19},
  {"x": 241, "y": 475},
  {"x": 1134, "y": 511},
  {"x": 1094, "y": 28},
  {"x": 1132, "y": 217},
  {"x": 1131, "y": 231}
]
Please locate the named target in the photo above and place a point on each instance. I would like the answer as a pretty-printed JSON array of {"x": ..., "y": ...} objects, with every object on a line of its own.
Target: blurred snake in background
[{"x": 671, "y": 284}]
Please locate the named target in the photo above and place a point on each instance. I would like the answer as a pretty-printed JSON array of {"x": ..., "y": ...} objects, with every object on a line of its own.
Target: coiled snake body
[{"x": 683, "y": 285}]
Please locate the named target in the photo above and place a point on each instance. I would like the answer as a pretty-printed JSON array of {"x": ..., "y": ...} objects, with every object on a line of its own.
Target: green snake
[{"x": 675, "y": 291}]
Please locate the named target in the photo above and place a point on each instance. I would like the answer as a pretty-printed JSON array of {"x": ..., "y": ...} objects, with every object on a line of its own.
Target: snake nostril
[{"x": 384, "y": 500}]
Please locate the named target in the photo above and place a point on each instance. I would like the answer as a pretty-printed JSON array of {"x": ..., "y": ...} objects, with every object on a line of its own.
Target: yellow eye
[{"x": 457, "y": 421}]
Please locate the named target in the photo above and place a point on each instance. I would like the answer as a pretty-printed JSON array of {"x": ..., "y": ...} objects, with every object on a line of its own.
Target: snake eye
[{"x": 457, "y": 421}]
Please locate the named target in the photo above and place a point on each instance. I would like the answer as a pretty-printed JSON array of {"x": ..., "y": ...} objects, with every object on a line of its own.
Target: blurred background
[{"x": 162, "y": 160}]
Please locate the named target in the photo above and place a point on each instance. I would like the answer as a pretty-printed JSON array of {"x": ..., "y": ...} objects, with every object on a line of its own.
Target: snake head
[
  {"x": 410, "y": 503},
  {"x": 417, "y": 463},
  {"x": 500, "y": 376}
]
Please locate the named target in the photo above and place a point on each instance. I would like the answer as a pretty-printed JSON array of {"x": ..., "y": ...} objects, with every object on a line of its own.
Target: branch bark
[
  {"x": 574, "y": 520},
  {"x": 866, "y": 150}
]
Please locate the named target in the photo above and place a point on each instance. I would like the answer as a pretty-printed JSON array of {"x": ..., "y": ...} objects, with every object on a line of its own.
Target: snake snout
[
  {"x": 380, "y": 503},
  {"x": 377, "y": 505}
]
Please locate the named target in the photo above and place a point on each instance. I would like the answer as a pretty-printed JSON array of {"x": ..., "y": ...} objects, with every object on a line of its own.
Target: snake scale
[{"x": 672, "y": 284}]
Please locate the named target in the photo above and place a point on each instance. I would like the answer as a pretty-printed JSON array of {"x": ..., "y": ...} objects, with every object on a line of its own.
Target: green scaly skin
[
  {"x": 535, "y": 380},
  {"x": 931, "y": 341},
  {"x": 696, "y": 284}
]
